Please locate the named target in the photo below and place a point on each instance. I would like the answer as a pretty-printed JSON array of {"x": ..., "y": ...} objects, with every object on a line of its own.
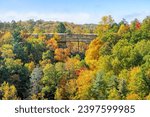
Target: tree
[
  {"x": 8, "y": 92},
  {"x": 142, "y": 47},
  {"x": 146, "y": 24},
  {"x": 61, "y": 54},
  {"x": 18, "y": 75},
  {"x": 135, "y": 25},
  {"x": 137, "y": 84},
  {"x": 99, "y": 86},
  {"x": 7, "y": 51},
  {"x": 35, "y": 47},
  {"x": 123, "y": 29},
  {"x": 61, "y": 28},
  {"x": 124, "y": 52},
  {"x": 107, "y": 20},
  {"x": 68, "y": 31},
  {"x": 30, "y": 66},
  {"x": 92, "y": 54},
  {"x": 52, "y": 44},
  {"x": 67, "y": 87},
  {"x": 122, "y": 87},
  {"x": 6, "y": 38},
  {"x": 50, "y": 81},
  {"x": 67, "y": 90},
  {"x": 18, "y": 46},
  {"x": 36, "y": 76},
  {"x": 104, "y": 25},
  {"x": 114, "y": 94},
  {"x": 48, "y": 55},
  {"x": 84, "y": 84}
]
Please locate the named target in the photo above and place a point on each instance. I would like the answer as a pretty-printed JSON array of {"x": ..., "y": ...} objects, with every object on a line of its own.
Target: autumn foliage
[{"x": 114, "y": 66}]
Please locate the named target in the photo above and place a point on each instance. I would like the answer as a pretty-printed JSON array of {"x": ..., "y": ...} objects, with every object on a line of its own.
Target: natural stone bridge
[
  {"x": 87, "y": 38},
  {"x": 65, "y": 39}
]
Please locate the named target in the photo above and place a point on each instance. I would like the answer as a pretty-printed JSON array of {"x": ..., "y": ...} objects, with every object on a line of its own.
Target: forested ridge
[{"x": 115, "y": 65}]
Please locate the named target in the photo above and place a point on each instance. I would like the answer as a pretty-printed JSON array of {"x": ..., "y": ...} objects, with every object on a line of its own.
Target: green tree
[
  {"x": 50, "y": 81},
  {"x": 98, "y": 90},
  {"x": 61, "y": 28}
]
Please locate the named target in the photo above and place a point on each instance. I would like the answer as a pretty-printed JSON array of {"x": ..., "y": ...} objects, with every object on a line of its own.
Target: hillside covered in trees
[
  {"x": 115, "y": 65},
  {"x": 41, "y": 26}
]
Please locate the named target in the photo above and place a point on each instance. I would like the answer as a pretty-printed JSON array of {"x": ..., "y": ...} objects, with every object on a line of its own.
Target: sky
[{"x": 76, "y": 11}]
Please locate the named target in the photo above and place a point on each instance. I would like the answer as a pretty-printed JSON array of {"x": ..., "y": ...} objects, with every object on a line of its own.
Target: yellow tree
[
  {"x": 8, "y": 92},
  {"x": 84, "y": 84},
  {"x": 7, "y": 51},
  {"x": 137, "y": 86},
  {"x": 6, "y": 38},
  {"x": 123, "y": 29},
  {"x": 114, "y": 94},
  {"x": 92, "y": 54},
  {"x": 105, "y": 24}
]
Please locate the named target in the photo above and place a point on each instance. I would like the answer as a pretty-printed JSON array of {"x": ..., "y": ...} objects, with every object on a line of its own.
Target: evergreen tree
[{"x": 61, "y": 28}]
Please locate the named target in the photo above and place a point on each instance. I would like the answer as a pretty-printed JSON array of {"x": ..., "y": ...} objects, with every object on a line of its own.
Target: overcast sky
[{"x": 77, "y": 11}]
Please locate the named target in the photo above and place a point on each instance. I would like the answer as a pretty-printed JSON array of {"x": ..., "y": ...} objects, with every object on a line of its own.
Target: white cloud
[
  {"x": 70, "y": 17},
  {"x": 139, "y": 15},
  {"x": 79, "y": 18}
]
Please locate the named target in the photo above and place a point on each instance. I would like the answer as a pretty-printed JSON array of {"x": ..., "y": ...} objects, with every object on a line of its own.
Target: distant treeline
[{"x": 41, "y": 26}]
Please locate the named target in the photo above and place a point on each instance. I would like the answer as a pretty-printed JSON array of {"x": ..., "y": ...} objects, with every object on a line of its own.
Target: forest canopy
[{"x": 115, "y": 65}]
